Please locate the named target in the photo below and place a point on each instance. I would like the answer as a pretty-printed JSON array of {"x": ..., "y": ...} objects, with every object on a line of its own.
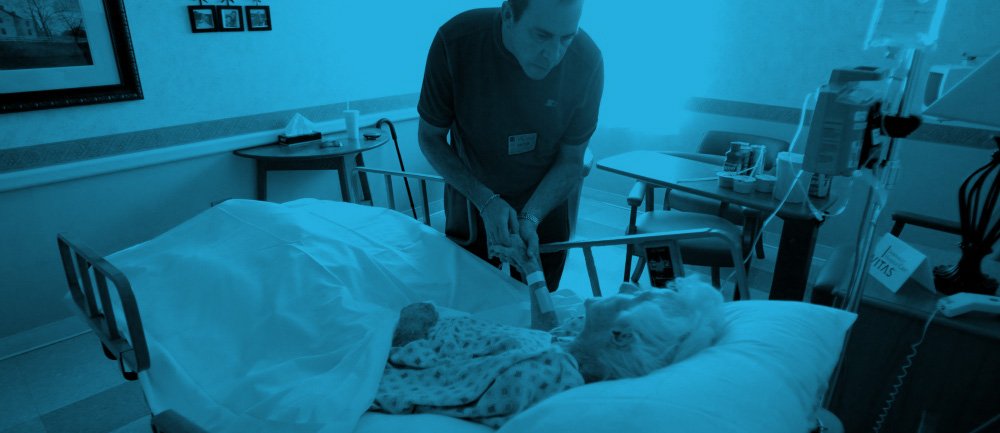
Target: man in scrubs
[{"x": 518, "y": 89}]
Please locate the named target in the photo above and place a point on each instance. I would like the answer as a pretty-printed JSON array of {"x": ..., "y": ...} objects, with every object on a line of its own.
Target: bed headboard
[{"x": 85, "y": 271}]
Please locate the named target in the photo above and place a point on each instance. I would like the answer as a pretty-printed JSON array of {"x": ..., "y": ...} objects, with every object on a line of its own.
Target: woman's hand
[
  {"x": 517, "y": 255},
  {"x": 543, "y": 321}
]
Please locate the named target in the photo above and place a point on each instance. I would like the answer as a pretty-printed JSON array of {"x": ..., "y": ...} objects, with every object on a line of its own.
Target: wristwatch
[{"x": 529, "y": 217}]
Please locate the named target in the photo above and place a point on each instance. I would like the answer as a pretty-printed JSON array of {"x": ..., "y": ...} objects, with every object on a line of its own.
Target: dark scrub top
[{"x": 474, "y": 86}]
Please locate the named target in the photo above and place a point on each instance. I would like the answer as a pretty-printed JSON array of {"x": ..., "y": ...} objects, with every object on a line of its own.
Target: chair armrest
[
  {"x": 941, "y": 225},
  {"x": 637, "y": 194}
]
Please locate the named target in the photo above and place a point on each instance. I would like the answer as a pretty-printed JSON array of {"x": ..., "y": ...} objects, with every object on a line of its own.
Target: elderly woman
[{"x": 487, "y": 372}]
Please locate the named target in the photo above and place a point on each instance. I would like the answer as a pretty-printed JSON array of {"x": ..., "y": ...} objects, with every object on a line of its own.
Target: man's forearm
[
  {"x": 554, "y": 188},
  {"x": 446, "y": 162}
]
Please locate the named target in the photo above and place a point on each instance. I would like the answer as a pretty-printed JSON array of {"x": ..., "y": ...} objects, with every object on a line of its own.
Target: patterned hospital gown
[{"x": 476, "y": 370}]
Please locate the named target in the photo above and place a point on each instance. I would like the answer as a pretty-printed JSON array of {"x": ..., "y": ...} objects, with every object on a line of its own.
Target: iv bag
[{"x": 905, "y": 23}]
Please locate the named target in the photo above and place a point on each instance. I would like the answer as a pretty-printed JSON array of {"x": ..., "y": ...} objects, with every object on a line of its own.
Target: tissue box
[{"x": 286, "y": 140}]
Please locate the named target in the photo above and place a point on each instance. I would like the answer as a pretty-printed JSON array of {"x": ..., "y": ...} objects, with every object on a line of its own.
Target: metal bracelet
[
  {"x": 529, "y": 217},
  {"x": 487, "y": 202}
]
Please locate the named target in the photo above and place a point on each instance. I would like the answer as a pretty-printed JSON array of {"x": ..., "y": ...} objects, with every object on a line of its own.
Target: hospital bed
[{"x": 255, "y": 316}]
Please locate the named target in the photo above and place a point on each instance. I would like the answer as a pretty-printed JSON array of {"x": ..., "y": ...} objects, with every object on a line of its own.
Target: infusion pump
[{"x": 839, "y": 122}]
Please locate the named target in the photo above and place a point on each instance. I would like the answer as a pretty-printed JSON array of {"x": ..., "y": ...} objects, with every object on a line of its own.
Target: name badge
[{"x": 524, "y": 143}]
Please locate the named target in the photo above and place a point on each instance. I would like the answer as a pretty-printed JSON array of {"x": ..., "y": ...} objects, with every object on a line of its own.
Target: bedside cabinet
[{"x": 953, "y": 385}]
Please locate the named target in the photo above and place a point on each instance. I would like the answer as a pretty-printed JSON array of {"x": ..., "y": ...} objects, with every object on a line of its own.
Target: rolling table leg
[
  {"x": 261, "y": 181},
  {"x": 791, "y": 267},
  {"x": 353, "y": 186},
  {"x": 345, "y": 170}
]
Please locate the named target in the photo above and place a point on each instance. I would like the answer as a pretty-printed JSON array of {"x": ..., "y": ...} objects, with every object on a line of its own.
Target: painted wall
[{"x": 320, "y": 52}]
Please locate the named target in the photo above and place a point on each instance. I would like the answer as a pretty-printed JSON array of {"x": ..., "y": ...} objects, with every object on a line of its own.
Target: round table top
[{"x": 326, "y": 148}]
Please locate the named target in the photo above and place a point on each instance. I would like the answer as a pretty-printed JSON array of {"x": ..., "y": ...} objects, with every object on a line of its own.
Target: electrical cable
[
  {"x": 986, "y": 424},
  {"x": 819, "y": 214},
  {"x": 802, "y": 118},
  {"x": 904, "y": 371},
  {"x": 399, "y": 155},
  {"x": 795, "y": 137}
]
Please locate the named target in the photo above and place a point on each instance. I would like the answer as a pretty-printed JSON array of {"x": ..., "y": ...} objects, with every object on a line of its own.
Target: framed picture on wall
[
  {"x": 203, "y": 19},
  {"x": 230, "y": 18},
  {"x": 258, "y": 18},
  {"x": 56, "y": 53}
]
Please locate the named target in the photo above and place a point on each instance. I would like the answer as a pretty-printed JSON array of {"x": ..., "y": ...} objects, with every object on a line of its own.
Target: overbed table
[
  {"x": 799, "y": 230},
  {"x": 314, "y": 156}
]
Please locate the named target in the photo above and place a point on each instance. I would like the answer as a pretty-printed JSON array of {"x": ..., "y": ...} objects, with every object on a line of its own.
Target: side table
[{"x": 318, "y": 156}]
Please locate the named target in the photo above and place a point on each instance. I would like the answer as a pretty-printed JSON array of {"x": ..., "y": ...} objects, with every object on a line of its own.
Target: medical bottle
[
  {"x": 757, "y": 152},
  {"x": 746, "y": 158},
  {"x": 733, "y": 158}
]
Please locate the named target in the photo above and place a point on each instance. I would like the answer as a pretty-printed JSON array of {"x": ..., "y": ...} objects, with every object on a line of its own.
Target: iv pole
[{"x": 895, "y": 126}]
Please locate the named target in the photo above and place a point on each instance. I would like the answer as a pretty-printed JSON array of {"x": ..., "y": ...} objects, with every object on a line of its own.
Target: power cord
[
  {"x": 904, "y": 370},
  {"x": 988, "y": 423},
  {"x": 399, "y": 155},
  {"x": 795, "y": 181},
  {"x": 818, "y": 213}
]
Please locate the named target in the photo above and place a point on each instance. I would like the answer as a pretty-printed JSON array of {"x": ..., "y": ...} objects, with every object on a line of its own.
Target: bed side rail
[
  {"x": 424, "y": 179},
  {"x": 390, "y": 193},
  {"x": 642, "y": 242},
  {"x": 87, "y": 275}
]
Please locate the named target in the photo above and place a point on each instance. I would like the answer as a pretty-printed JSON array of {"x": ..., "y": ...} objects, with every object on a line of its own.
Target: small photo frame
[
  {"x": 230, "y": 18},
  {"x": 203, "y": 19},
  {"x": 258, "y": 18}
]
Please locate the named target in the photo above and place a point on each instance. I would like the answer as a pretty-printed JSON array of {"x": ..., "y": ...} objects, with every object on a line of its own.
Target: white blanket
[{"x": 279, "y": 317}]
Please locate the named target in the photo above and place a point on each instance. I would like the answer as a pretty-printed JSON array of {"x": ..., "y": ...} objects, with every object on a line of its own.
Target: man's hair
[{"x": 518, "y": 6}]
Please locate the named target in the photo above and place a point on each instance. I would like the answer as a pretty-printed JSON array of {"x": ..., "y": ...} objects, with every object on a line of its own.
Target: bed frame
[
  {"x": 88, "y": 275},
  {"x": 85, "y": 271}
]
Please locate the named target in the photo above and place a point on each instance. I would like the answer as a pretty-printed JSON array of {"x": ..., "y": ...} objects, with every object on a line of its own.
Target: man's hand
[
  {"x": 528, "y": 232},
  {"x": 500, "y": 222},
  {"x": 517, "y": 255}
]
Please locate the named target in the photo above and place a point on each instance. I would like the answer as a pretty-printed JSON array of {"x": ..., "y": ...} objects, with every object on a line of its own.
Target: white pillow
[{"x": 767, "y": 374}]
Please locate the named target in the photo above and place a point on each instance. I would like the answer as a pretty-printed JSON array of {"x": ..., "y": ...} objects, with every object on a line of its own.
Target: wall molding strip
[
  {"x": 29, "y": 157},
  {"x": 21, "y": 179},
  {"x": 30, "y": 166},
  {"x": 930, "y": 132}
]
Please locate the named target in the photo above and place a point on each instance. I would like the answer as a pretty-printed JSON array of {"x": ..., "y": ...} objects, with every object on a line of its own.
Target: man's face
[{"x": 540, "y": 38}]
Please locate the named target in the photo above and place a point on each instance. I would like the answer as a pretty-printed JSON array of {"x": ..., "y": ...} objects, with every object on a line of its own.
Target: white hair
[{"x": 632, "y": 334}]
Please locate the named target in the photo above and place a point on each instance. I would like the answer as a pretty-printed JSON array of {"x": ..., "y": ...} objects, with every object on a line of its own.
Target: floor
[{"x": 69, "y": 386}]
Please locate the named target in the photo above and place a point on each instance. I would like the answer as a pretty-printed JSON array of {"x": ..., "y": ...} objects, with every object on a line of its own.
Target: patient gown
[{"x": 475, "y": 370}]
